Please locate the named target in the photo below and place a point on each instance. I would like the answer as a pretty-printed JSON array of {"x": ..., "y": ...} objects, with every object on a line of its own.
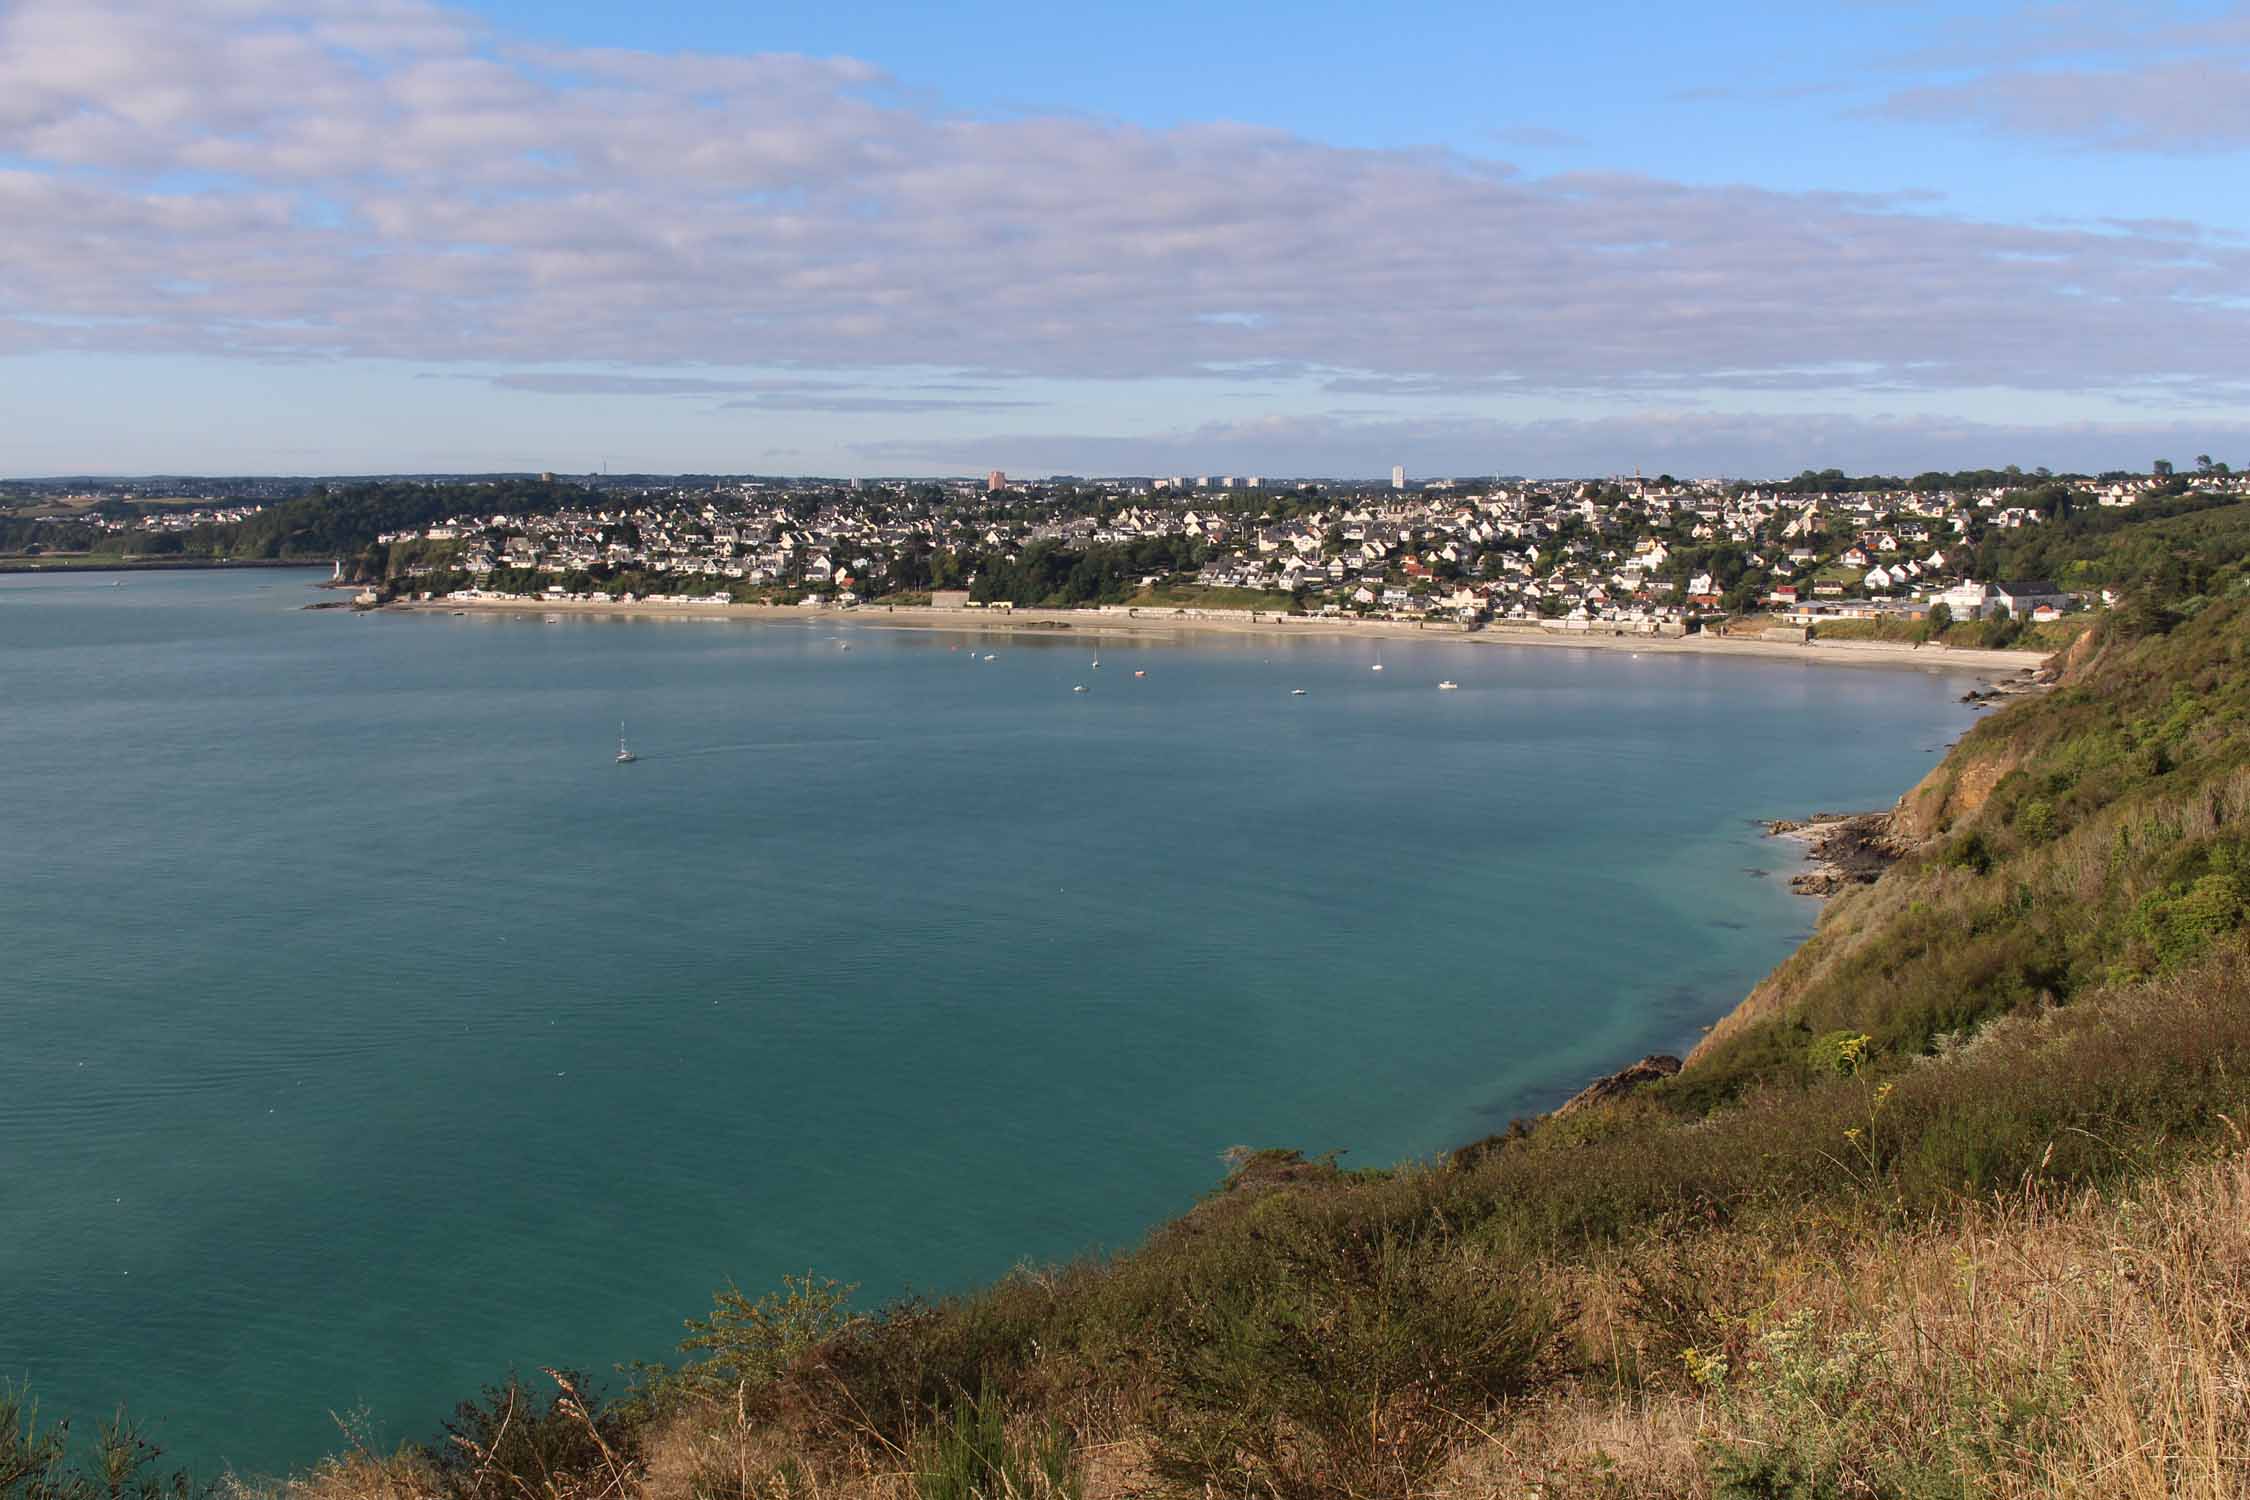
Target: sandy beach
[{"x": 1159, "y": 624}]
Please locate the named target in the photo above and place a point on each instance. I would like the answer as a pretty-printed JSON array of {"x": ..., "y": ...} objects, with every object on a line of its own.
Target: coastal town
[{"x": 1621, "y": 555}]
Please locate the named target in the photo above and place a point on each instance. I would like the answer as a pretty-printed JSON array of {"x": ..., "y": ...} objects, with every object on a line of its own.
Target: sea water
[{"x": 366, "y": 1030}]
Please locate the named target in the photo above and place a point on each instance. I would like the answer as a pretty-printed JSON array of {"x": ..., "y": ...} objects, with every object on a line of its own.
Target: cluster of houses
[
  {"x": 172, "y": 520},
  {"x": 1625, "y": 554},
  {"x": 702, "y": 548}
]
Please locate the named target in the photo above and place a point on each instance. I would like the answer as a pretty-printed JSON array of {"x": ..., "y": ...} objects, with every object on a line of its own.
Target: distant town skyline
[{"x": 316, "y": 236}]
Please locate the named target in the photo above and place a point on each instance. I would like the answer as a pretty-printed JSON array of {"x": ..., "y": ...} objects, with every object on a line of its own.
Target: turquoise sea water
[{"x": 365, "y": 1031}]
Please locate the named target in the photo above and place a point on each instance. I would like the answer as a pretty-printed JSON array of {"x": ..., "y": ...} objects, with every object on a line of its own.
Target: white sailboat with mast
[{"x": 625, "y": 757}]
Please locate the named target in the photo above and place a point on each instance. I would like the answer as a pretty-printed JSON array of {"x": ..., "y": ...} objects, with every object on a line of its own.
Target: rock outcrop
[
  {"x": 1651, "y": 1069},
  {"x": 1845, "y": 849}
]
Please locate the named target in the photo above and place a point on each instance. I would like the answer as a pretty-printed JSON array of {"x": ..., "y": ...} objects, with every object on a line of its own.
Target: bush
[
  {"x": 2035, "y": 820},
  {"x": 1317, "y": 1356},
  {"x": 2180, "y": 923},
  {"x": 751, "y": 1343},
  {"x": 1971, "y": 851},
  {"x": 506, "y": 1444}
]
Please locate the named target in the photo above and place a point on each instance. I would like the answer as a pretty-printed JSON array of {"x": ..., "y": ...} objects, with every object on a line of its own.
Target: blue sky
[
  {"x": 320, "y": 236},
  {"x": 1768, "y": 93}
]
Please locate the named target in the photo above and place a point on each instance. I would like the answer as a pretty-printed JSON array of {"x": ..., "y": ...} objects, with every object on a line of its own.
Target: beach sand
[{"x": 1161, "y": 625}]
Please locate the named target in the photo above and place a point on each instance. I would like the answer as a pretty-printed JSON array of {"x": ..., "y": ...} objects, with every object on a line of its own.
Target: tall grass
[{"x": 2045, "y": 1341}]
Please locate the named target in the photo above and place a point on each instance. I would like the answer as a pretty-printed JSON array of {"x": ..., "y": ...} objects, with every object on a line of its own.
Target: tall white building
[{"x": 1398, "y": 476}]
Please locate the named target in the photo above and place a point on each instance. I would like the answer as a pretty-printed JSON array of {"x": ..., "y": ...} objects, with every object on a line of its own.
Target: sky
[{"x": 1741, "y": 238}]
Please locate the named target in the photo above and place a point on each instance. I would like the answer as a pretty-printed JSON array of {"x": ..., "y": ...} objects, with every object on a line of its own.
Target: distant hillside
[{"x": 333, "y": 523}]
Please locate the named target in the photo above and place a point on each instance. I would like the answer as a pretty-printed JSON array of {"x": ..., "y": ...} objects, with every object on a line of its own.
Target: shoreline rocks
[{"x": 1843, "y": 849}]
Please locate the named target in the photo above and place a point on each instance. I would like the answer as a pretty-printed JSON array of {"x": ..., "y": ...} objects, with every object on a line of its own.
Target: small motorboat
[
  {"x": 1078, "y": 687},
  {"x": 1296, "y": 692},
  {"x": 1140, "y": 674},
  {"x": 1449, "y": 686}
]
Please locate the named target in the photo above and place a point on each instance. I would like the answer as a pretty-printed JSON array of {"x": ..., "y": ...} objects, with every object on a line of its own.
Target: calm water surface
[{"x": 364, "y": 1031}]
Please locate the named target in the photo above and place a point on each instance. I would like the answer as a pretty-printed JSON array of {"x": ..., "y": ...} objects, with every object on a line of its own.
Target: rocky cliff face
[{"x": 1952, "y": 791}]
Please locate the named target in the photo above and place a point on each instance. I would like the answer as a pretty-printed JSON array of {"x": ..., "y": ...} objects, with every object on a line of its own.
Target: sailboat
[{"x": 625, "y": 757}]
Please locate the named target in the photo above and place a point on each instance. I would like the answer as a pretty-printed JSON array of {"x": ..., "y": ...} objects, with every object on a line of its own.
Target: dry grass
[{"x": 2042, "y": 1346}]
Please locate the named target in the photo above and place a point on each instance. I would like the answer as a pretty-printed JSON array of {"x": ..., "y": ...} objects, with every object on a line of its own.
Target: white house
[{"x": 1967, "y": 601}]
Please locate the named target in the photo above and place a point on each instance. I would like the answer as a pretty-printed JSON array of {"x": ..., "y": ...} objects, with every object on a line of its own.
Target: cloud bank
[{"x": 390, "y": 180}]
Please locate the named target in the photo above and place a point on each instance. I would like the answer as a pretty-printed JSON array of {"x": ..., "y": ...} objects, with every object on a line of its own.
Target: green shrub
[
  {"x": 2180, "y": 923},
  {"x": 2035, "y": 820},
  {"x": 1971, "y": 851},
  {"x": 752, "y": 1342},
  {"x": 1320, "y": 1355}
]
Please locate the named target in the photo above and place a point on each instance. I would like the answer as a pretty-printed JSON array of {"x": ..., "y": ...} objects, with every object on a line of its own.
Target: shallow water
[{"x": 367, "y": 1031}]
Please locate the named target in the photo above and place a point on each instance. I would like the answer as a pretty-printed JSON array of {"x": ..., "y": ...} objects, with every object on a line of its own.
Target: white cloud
[
  {"x": 2153, "y": 76},
  {"x": 332, "y": 178},
  {"x": 2188, "y": 107}
]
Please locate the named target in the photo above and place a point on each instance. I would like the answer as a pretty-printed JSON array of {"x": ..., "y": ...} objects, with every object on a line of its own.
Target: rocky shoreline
[
  {"x": 1843, "y": 849},
  {"x": 2015, "y": 685}
]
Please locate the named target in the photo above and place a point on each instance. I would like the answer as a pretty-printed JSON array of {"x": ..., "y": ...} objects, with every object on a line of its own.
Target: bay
[{"x": 366, "y": 1031}]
